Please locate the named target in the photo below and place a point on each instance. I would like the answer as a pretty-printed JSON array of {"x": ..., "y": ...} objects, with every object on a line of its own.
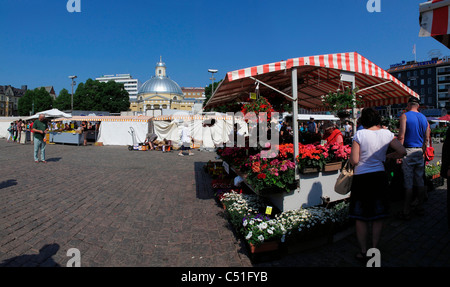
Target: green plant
[{"x": 340, "y": 101}]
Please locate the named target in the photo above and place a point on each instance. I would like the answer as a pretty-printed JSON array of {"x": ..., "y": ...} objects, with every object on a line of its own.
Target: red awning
[
  {"x": 317, "y": 76},
  {"x": 434, "y": 20}
]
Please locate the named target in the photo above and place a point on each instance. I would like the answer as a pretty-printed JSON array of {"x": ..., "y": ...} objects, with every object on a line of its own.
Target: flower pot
[
  {"x": 264, "y": 247},
  {"x": 333, "y": 166}
]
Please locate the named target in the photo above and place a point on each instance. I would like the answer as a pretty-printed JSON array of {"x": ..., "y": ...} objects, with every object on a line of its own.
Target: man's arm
[{"x": 402, "y": 129}]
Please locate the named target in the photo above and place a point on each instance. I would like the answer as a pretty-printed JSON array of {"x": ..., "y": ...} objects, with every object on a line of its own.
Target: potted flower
[
  {"x": 312, "y": 158},
  {"x": 337, "y": 154},
  {"x": 262, "y": 233}
]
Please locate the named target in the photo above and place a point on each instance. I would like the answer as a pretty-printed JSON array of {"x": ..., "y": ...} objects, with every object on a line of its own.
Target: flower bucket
[
  {"x": 333, "y": 166},
  {"x": 264, "y": 247}
]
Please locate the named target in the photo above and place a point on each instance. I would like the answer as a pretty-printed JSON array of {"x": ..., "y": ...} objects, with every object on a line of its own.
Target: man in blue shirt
[{"x": 414, "y": 134}]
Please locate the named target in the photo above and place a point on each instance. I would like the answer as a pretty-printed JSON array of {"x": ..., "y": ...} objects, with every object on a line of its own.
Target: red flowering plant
[
  {"x": 234, "y": 156},
  {"x": 270, "y": 173},
  {"x": 261, "y": 105},
  {"x": 314, "y": 156},
  {"x": 338, "y": 153}
]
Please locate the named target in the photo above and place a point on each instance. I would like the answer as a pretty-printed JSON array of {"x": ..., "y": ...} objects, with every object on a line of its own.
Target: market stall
[
  {"x": 111, "y": 130},
  {"x": 304, "y": 82},
  {"x": 209, "y": 130}
]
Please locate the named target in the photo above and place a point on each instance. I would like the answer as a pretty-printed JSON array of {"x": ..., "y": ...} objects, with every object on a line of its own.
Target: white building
[{"x": 131, "y": 85}]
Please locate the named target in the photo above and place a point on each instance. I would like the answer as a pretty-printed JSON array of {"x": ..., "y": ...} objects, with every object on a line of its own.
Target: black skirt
[{"x": 369, "y": 199}]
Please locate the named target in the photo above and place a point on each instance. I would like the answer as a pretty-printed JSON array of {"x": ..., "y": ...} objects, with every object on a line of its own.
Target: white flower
[
  {"x": 269, "y": 231},
  {"x": 245, "y": 223},
  {"x": 261, "y": 238},
  {"x": 249, "y": 235}
]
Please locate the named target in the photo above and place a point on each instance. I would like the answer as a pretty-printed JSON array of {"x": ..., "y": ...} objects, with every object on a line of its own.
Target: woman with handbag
[
  {"x": 369, "y": 202},
  {"x": 445, "y": 170}
]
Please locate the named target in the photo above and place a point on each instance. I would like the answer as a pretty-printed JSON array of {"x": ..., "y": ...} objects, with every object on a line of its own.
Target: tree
[
  {"x": 35, "y": 101},
  {"x": 96, "y": 96},
  {"x": 63, "y": 101},
  {"x": 208, "y": 91}
]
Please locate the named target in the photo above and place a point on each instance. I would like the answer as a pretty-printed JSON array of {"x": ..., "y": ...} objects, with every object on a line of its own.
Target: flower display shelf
[{"x": 333, "y": 166}]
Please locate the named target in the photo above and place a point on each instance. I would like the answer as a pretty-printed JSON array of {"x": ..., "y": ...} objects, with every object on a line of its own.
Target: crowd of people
[
  {"x": 316, "y": 132},
  {"x": 17, "y": 131}
]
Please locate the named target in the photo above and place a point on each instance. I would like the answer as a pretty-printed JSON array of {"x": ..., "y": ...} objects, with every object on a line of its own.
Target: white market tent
[
  {"x": 116, "y": 130},
  {"x": 205, "y": 132},
  {"x": 53, "y": 113},
  {"x": 5, "y": 122}
]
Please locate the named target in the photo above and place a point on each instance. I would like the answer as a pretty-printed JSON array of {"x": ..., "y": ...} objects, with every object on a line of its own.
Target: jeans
[{"x": 39, "y": 144}]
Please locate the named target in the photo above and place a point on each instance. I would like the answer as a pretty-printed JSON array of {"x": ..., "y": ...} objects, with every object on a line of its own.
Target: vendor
[
  {"x": 332, "y": 134},
  {"x": 150, "y": 140}
]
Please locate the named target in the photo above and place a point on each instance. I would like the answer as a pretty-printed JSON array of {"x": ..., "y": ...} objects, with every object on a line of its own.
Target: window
[
  {"x": 399, "y": 75},
  {"x": 408, "y": 83},
  {"x": 430, "y": 90},
  {"x": 422, "y": 81},
  {"x": 429, "y": 71},
  {"x": 408, "y": 74},
  {"x": 422, "y": 72},
  {"x": 430, "y": 81}
]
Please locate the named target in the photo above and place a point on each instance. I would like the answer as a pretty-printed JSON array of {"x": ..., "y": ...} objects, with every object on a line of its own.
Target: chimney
[{"x": 25, "y": 88}]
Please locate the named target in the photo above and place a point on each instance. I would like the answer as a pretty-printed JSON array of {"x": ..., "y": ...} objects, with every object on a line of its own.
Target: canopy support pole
[
  {"x": 284, "y": 94},
  {"x": 295, "y": 121}
]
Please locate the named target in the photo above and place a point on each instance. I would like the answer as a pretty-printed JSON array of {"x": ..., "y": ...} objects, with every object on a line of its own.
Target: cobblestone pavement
[{"x": 132, "y": 208}]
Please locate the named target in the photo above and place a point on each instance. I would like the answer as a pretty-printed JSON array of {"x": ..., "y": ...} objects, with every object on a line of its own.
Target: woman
[
  {"x": 332, "y": 134},
  {"x": 369, "y": 198},
  {"x": 185, "y": 140},
  {"x": 445, "y": 170},
  {"x": 84, "y": 131}
]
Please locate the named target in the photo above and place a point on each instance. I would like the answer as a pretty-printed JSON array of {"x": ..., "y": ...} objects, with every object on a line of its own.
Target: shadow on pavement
[
  {"x": 43, "y": 259},
  {"x": 8, "y": 183}
]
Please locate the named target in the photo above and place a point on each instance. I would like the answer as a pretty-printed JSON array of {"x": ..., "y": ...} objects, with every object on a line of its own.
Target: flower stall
[{"x": 309, "y": 175}]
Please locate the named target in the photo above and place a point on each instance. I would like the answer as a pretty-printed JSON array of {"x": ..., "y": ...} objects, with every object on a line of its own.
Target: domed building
[{"x": 160, "y": 92}]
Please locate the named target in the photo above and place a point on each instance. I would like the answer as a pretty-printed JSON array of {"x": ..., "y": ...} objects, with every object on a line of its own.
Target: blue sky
[{"x": 42, "y": 43}]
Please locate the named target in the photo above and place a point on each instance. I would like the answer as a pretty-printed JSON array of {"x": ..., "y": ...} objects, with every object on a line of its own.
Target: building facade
[
  {"x": 160, "y": 93},
  {"x": 9, "y": 99},
  {"x": 131, "y": 85},
  {"x": 429, "y": 79}
]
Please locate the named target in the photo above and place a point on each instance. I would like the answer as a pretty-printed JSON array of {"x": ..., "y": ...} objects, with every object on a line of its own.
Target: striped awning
[
  {"x": 105, "y": 119},
  {"x": 434, "y": 20},
  {"x": 317, "y": 76}
]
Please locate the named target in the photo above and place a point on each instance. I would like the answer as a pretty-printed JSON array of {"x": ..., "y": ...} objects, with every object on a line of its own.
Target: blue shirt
[{"x": 416, "y": 128}]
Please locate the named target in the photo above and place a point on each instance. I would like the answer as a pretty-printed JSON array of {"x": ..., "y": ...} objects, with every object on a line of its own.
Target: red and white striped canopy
[
  {"x": 434, "y": 20},
  {"x": 317, "y": 76}
]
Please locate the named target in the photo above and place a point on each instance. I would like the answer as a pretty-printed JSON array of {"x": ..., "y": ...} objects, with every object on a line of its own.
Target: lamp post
[
  {"x": 73, "y": 84},
  {"x": 212, "y": 71}
]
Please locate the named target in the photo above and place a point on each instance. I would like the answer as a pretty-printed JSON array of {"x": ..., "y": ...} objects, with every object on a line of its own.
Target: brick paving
[{"x": 122, "y": 208}]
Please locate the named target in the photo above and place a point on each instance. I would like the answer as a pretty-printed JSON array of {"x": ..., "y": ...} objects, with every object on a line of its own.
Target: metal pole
[
  {"x": 71, "y": 104},
  {"x": 295, "y": 120}
]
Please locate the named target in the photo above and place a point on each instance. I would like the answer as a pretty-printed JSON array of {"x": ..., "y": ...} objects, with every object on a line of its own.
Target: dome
[{"x": 160, "y": 85}]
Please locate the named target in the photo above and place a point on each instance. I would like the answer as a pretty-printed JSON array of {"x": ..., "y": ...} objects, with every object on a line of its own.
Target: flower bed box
[
  {"x": 264, "y": 247},
  {"x": 333, "y": 166},
  {"x": 306, "y": 170}
]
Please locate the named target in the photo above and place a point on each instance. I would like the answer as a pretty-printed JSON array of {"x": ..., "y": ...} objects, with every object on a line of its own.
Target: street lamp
[
  {"x": 212, "y": 71},
  {"x": 73, "y": 84}
]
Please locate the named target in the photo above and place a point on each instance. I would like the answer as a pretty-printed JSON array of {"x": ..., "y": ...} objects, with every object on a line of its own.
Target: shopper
[
  {"x": 10, "y": 133},
  {"x": 332, "y": 134},
  {"x": 185, "y": 139},
  {"x": 445, "y": 170},
  {"x": 414, "y": 134},
  {"x": 369, "y": 198},
  {"x": 40, "y": 128}
]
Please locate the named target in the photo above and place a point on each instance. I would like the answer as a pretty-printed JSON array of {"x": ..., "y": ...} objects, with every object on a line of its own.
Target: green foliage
[
  {"x": 97, "y": 96},
  {"x": 341, "y": 100},
  {"x": 63, "y": 101},
  {"x": 208, "y": 91},
  {"x": 41, "y": 99}
]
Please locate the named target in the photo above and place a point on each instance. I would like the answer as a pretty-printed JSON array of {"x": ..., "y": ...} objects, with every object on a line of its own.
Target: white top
[
  {"x": 373, "y": 147},
  {"x": 186, "y": 134}
]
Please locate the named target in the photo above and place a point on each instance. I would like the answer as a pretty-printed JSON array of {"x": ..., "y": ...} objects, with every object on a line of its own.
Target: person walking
[
  {"x": 369, "y": 201},
  {"x": 40, "y": 128},
  {"x": 185, "y": 139},
  {"x": 10, "y": 133},
  {"x": 445, "y": 170},
  {"x": 414, "y": 134}
]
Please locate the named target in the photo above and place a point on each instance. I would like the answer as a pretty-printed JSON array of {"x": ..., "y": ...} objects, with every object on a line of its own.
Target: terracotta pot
[{"x": 264, "y": 247}]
